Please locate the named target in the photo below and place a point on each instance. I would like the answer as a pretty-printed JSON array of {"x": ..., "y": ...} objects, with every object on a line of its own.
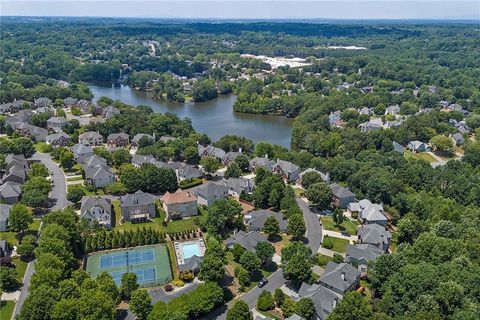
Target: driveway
[
  {"x": 160, "y": 295},
  {"x": 314, "y": 229},
  {"x": 275, "y": 281},
  {"x": 59, "y": 190}
]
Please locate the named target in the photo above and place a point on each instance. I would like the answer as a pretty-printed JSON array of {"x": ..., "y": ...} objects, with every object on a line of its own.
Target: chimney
[
  {"x": 266, "y": 156},
  {"x": 188, "y": 194},
  {"x": 343, "y": 275},
  {"x": 335, "y": 302},
  {"x": 240, "y": 150}
]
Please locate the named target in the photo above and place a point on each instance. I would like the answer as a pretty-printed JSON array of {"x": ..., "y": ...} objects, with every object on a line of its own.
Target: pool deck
[{"x": 178, "y": 246}]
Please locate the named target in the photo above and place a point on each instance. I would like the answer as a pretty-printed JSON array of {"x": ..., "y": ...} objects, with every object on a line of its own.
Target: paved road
[
  {"x": 160, "y": 295},
  {"x": 24, "y": 291},
  {"x": 314, "y": 229},
  {"x": 59, "y": 190},
  {"x": 275, "y": 281}
]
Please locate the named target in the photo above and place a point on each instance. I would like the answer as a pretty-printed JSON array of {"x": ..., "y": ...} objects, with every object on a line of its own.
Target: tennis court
[{"x": 151, "y": 264}]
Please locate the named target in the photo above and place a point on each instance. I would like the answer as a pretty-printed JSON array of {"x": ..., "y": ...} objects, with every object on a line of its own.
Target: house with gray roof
[
  {"x": 418, "y": 146},
  {"x": 287, "y": 169},
  {"x": 341, "y": 196},
  {"x": 210, "y": 192},
  {"x": 27, "y": 130},
  {"x": 60, "y": 139},
  {"x": 370, "y": 126},
  {"x": 368, "y": 212},
  {"x": 365, "y": 111},
  {"x": 81, "y": 152},
  {"x": 90, "y": 138},
  {"x": 392, "y": 110},
  {"x": 139, "y": 136},
  {"x": 248, "y": 240},
  {"x": 230, "y": 157},
  {"x": 398, "y": 147},
  {"x": 325, "y": 177},
  {"x": 192, "y": 264},
  {"x": 294, "y": 317},
  {"x": 99, "y": 175},
  {"x": 138, "y": 160},
  {"x": 374, "y": 234},
  {"x": 4, "y": 215},
  {"x": 56, "y": 124},
  {"x": 110, "y": 112},
  {"x": 43, "y": 102},
  {"x": 69, "y": 101},
  {"x": 255, "y": 220},
  {"x": 97, "y": 209},
  {"x": 361, "y": 254},
  {"x": 238, "y": 185},
  {"x": 11, "y": 107},
  {"x": 340, "y": 277},
  {"x": 260, "y": 162},
  {"x": 116, "y": 140},
  {"x": 325, "y": 300},
  {"x": 17, "y": 160},
  {"x": 94, "y": 160},
  {"x": 210, "y": 151},
  {"x": 48, "y": 110},
  {"x": 10, "y": 192},
  {"x": 138, "y": 206},
  {"x": 458, "y": 139},
  {"x": 14, "y": 173}
]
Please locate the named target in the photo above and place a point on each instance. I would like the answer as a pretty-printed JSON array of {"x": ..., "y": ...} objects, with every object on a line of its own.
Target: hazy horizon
[{"x": 248, "y": 10}]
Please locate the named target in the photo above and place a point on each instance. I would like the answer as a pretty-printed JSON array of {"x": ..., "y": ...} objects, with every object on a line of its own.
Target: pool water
[{"x": 189, "y": 250}]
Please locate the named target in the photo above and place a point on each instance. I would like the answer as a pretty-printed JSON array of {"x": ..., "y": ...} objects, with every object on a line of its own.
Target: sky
[{"x": 235, "y": 9}]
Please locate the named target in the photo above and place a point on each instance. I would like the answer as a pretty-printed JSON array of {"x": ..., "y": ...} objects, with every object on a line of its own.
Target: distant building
[
  {"x": 287, "y": 169},
  {"x": 4, "y": 215},
  {"x": 97, "y": 209},
  {"x": 56, "y": 124},
  {"x": 341, "y": 196},
  {"x": 210, "y": 192},
  {"x": 118, "y": 140},
  {"x": 374, "y": 234},
  {"x": 248, "y": 240},
  {"x": 256, "y": 220},
  {"x": 179, "y": 204},
  {"x": 60, "y": 139},
  {"x": 138, "y": 206},
  {"x": 361, "y": 254},
  {"x": 418, "y": 146},
  {"x": 341, "y": 278},
  {"x": 90, "y": 138},
  {"x": 368, "y": 212},
  {"x": 261, "y": 162},
  {"x": 138, "y": 136}
]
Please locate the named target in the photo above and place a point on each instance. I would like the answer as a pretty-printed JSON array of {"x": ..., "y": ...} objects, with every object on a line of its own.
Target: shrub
[
  {"x": 178, "y": 283},
  {"x": 265, "y": 301},
  {"x": 327, "y": 243},
  {"x": 186, "y": 276},
  {"x": 168, "y": 287}
]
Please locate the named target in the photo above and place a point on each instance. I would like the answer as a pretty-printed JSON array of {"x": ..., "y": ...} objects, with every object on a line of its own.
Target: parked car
[
  {"x": 262, "y": 282},
  {"x": 345, "y": 233}
]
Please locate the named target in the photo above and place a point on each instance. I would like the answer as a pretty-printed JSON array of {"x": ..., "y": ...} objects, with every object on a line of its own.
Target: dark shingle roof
[{"x": 137, "y": 198}]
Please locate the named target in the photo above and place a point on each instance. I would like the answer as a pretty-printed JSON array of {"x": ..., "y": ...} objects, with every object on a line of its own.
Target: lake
[{"x": 216, "y": 117}]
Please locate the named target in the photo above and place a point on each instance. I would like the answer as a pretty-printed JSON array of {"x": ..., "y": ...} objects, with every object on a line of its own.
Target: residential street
[
  {"x": 59, "y": 190},
  {"x": 314, "y": 229}
]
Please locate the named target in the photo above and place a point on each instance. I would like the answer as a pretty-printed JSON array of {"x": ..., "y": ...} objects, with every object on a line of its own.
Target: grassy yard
[
  {"x": 347, "y": 225},
  {"x": 323, "y": 260},
  {"x": 87, "y": 192},
  {"x": 173, "y": 260},
  {"x": 77, "y": 178},
  {"x": 42, "y": 147},
  {"x": 6, "y": 309},
  {"x": 11, "y": 237},
  {"x": 421, "y": 155},
  {"x": 299, "y": 192},
  {"x": 21, "y": 267},
  {"x": 339, "y": 245},
  {"x": 173, "y": 226}
]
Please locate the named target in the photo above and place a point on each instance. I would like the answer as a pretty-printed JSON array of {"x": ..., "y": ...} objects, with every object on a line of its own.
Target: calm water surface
[{"x": 216, "y": 117}]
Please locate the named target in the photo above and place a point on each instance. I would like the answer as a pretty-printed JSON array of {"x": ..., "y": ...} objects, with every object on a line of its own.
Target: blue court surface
[
  {"x": 144, "y": 275},
  {"x": 130, "y": 258}
]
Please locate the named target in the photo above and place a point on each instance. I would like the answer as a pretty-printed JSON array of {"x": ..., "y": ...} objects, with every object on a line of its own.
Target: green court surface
[{"x": 151, "y": 264}]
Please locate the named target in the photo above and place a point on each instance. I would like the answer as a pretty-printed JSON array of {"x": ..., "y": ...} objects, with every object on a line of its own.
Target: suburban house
[
  {"x": 97, "y": 209},
  {"x": 368, "y": 212},
  {"x": 81, "y": 152},
  {"x": 99, "y": 175},
  {"x": 138, "y": 206},
  {"x": 94, "y": 160},
  {"x": 341, "y": 196},
  {"x": 374, "y": 234},
  {"x": 179, "y": 204},
  {"x": 365, "y": 111},
  {"x": 42, "y": 102},
  {"x": 139, "y": 136},
  {"x": 325, "y": 300},
  {"x": 371, "y": 126},
  {"x": 210, "y": 192},
  {"x": 255, "y": 220},
  {"x": 16, "y": 160},
  {"x": 340, "y": 277},
  {"x": 398, "y": 147},
  {"x": 260, "y": 162},
  {"x": 10, "y": 192},
  {"x": 191, "y": 264},
  {"x": 458, "y": 139},
  {"x": 120, "y": 139},
  {"x": 361, "y": 254},
  {"x": 11, "y": 107},
  {"x": 4, "y": 215},
  {"x": 230, "y": 157},
  {"x": 325, "y": 177},
  {"x": 56, "y": 124},
  {"x": 238, "y": 185},
  {"x": 90, "y": 138},
  {"x": 418, "y": 146},
  {"x": 139, "y": 160},
  {"x": 210, "y": 151},
  {"x": 16, "y": 168},
  {"x": 248, "y": 240},
  {"x": 48, "y": 110},
  {"x": 110, "y": 112},
  {"x": 392, "y": 110},
  {"x": 60, "y": 139},
  {"x": 288, "y": 170},
  {"x": 27, "y": 130},
  {"x": 69, "y": 101}
]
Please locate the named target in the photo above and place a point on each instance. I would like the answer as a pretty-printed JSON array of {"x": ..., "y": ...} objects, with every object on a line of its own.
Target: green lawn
[
  {"x": 299, "y": 192},
  {"x": 339, "y": 245},
  {"x": 173, "y": 226},
  {"x": 421, "y": 155},
  {"x": 323, "y": 260},
  {"x": 42, "y": 147},
  {"x": 347, "y": 225},
  {"x": 21, "y": 267},
  {"x": 11, "y": 237},
  {"x": 6, "y": 309},
  {"x": 234, "y": 264},
  {"x": 77, "y": 178},
  {"x": 173, "y": 260}
]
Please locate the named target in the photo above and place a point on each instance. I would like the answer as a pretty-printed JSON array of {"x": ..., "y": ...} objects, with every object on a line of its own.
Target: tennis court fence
[{"x": 156, "y": 282}]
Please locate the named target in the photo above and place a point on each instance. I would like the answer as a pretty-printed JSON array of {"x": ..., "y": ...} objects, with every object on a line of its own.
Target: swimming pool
[{"x": 190, "y": 249}]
